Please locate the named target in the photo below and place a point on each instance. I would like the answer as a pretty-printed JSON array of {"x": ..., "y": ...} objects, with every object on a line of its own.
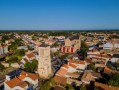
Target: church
[{"x": 71, "y": 44}]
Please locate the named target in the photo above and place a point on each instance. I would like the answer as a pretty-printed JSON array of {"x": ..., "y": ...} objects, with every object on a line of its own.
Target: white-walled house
[
  {"x": 15, "y": 84},
  {"x": 19, "y": 82},
  {"x": 27, "y": 58},
  {"x": 72, "y": 68},
  {"x": 86, "y": 78},
  {"x": 108, "y": 46},
  {"x": 79, "y": 64},
  {"x": 115, "y": 58}
]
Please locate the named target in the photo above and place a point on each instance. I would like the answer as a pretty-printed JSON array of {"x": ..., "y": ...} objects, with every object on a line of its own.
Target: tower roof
[
  {"x": 44, "y": 45},
  {"x": 72, "y": 37}
]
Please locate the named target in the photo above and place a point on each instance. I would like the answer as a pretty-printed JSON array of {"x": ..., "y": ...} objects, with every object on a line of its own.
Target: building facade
[{"x": 72, "y": 43}]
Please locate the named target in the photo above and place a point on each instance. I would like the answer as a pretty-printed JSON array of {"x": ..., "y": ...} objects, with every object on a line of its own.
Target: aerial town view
[{"x": 59, "y": 44}]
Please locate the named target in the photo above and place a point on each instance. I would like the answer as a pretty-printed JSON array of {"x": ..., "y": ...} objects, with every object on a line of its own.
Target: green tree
[
  {"x": 69, "y": 87},
  {"x": 12, "y": 47},
  {"x": 55, "y": 44},
  {"x": 31, "y": 66},
  {"x": 64, "y": 56},
  {"x": 20, "y": 52},
  {"x": 29, "y": 48},
  {"x": 91, "y": 67},
  {"x": 12, "y": 59},
  {"x": 4, "y": 38},
  {"x": 83, "y": 87},
  {"x": 114, "y": 80},
  {"x": 84, "y": 49},
  {"x": 48, "y": 85},
  {"x": 34, "y": 37},
  {"x": 117, "y": 64},
  {"x": 57, "y": 53},
  {"x": 18, "y": 42},
  {"x": 1, "y": 66}
]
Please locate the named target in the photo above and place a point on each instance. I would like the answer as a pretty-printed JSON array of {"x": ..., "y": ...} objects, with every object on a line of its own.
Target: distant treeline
[{"x": 109, "y": 30}]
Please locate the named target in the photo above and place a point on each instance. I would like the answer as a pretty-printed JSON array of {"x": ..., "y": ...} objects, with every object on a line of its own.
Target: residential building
[
  {"x": 86, "y": 78},
  {"x": 23, "y": 81}
]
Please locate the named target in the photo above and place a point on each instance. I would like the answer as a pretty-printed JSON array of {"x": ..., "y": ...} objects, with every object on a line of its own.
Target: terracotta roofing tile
[
  {"x": 65, "y": 66},
  {"x": 22, "y": 84},
  {"x": 38, "y": 43},
  {"x": 21, "y": 77},
  {"x": 61, "y": 72},
  {"x": 12, "y": 83},
  {"x": 101, "y": 86},
  {"x": 30, "y": 55},
  {"x": 60, "y": 80},
  {"x": 101, "y": 55},
  {"x": 76, "y": 61},
  {"x": 73, "y": 75},
  {"x": 33, "y": 77},
  {"x": 107, "y": 71},
  {"x": 72, "y": 65},
  {"x": 25, "y": 59},
  {"x": 86, "y": 76},
  {"x": 30, "y": 75}
]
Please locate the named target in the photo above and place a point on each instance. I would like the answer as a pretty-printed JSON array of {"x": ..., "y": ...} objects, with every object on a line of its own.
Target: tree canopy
[
  {"x": 114, "y": 80},
  {"x": 84, "y": 49},
  {"x": 48, "y": 85},
  {"x": 12, "y": 59},
  {"x": 17, "y": 42},
  {"x": 83, "y": 87},
  {"x": 20, "y": 52},
  {"x": 55, "y": 45},
  {"x": 4, "y": 38},
  {"x": 31, "y": 66},
  {"x": 69, "y": 87},
  {"x": 91, "y": 67},
  {"x": 64, "y": 56}
]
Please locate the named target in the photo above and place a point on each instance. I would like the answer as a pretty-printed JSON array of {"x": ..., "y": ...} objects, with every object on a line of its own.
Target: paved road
[{"x": 2, "y": 81}]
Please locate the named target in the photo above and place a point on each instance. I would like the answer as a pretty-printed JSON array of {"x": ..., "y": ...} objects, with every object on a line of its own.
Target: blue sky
[{"x": 59, "y": 14}]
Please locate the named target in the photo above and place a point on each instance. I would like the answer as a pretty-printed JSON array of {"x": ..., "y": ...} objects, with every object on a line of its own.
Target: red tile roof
[
  {"x": 21, "y": 77},
  {"x": 101, "y": 86},
  {"x": 30, "y": 75},
  {"x": 101, "y": 55},
  {"x": 65, "y": 66},
  {"x": 25, "y": 59},
  {"x": 60, "y": 80},
  {"x": 61, "y": 72},
  {"x": 30, "y": 55},
  {"x": 12, "y": 83},
  {"x": 22, "y": 84},
  {"x": 86, "y": 76},
  {"x": 76, "y": 61},
  {"x": 72, "y": 65},
  {"x": 108, "y": 71}
]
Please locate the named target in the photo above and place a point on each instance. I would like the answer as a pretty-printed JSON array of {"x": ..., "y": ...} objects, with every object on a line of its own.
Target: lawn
[{"x": 6, "y": 71}]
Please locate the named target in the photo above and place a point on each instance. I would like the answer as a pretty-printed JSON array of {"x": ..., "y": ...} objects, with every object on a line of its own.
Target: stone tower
[{"x": 44, "y": 62}]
